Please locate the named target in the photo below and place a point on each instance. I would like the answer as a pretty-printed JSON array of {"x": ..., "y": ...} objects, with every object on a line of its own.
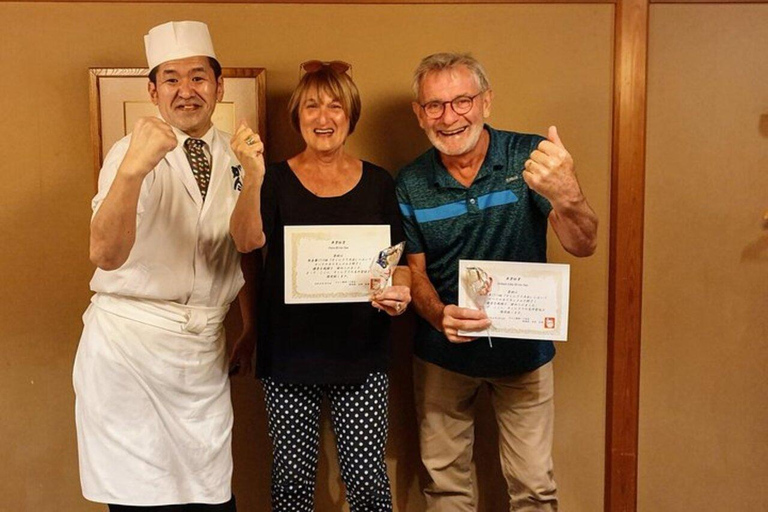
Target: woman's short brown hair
[{"x": 338, "y": 86}]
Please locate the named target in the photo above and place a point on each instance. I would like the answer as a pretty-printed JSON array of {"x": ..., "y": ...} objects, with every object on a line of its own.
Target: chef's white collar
[{"x": 182, "y": 137}]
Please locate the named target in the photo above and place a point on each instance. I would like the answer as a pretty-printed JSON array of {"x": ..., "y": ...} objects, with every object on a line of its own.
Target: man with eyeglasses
[{"x": 482, "y": 194}]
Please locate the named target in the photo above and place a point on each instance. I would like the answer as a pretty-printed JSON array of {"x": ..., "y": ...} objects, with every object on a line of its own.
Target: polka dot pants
[{"x": 359, "y": 419}]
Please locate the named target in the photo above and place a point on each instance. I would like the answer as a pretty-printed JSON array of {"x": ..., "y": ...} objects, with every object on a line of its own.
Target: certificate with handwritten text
[
  {"x": 522, "y": 300},
  {"x": 331, "y": 263}
]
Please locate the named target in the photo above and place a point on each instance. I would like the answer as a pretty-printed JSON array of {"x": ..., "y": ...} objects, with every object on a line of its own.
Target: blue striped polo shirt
[{"x": 496, "y": 218}]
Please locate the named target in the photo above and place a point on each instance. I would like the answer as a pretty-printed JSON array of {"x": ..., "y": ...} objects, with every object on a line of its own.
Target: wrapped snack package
[
  {"x": 480, "y": 285},
  {"x": 383, "y": 267}
]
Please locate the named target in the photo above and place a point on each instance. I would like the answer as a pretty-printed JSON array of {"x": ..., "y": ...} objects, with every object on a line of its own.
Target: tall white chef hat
[{"x": 177, "y": 40}]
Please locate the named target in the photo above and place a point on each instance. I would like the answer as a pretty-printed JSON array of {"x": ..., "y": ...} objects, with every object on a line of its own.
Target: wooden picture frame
[{"x": 118, "y": 96}]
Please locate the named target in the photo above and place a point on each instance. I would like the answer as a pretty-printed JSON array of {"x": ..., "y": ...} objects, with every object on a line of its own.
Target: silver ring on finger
[{"x": 250, "y": 141}]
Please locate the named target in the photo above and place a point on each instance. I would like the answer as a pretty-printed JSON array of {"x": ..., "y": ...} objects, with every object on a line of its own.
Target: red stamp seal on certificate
[{"x": 549, "y": 322}]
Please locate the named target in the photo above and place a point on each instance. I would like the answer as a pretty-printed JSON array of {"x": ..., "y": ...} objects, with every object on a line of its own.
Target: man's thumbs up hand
[
  {"x": 554, "y": 137},
  {"x": 550, "y": 170}
]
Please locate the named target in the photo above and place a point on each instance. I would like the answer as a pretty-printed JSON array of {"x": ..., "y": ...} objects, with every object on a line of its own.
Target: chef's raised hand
[
  {"x": 550, "y": 170},
  {"x": 151, "y": 140},
  {"x": 464, "y": 319},
  {"x": 249, "y": 150}
]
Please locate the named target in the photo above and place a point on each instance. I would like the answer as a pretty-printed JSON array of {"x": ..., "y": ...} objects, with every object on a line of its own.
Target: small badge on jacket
[{"x": 237, "y": 177}]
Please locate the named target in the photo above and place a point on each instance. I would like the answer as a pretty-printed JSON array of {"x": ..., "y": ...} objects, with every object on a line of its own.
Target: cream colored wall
[
  {"x": 548, "y": 64},
  {"x": 703, "y": 413}
]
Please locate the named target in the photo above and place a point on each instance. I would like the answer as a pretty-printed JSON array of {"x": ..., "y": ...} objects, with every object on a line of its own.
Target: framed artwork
[{"x": 119, "y": 97}]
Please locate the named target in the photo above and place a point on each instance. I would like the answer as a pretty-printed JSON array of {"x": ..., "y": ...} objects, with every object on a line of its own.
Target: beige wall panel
[
  {"x": 703, "y": 413},
  {"x": 549, "y": 64}
]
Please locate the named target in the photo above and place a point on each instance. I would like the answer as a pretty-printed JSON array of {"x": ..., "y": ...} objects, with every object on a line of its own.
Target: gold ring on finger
[{"x": 250, "y": 141}]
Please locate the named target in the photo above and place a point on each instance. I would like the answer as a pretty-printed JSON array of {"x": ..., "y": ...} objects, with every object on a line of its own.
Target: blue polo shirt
[{"x": 496, "y": 218}]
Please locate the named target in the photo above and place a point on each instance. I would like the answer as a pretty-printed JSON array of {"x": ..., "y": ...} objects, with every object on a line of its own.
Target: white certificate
[
  {"x": 526, "y": 300},
  {"x": 331, "y": 263}
]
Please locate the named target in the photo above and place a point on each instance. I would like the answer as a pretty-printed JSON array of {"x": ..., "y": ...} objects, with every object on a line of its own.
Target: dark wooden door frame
[{"x": 625, "y": 278}]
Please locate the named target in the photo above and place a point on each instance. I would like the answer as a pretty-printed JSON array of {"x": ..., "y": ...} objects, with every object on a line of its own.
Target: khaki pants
[{"x": 524, "y": 410}]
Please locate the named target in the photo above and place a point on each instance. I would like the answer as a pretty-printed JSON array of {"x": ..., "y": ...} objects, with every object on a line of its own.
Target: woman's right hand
[
  {"x": 393, "y": 300},
  {"x": 249, "y": 150}
]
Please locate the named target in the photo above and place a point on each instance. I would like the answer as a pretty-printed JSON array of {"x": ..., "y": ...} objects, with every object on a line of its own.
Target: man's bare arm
[{"x": 113, "y": 228}]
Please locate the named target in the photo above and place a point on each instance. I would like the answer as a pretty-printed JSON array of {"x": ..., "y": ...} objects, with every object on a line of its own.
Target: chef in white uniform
[{"x": 153, "y": 410}]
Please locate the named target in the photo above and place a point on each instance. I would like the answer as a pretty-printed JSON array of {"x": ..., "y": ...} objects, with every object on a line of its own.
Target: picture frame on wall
[{"x": 119, "y": 97}]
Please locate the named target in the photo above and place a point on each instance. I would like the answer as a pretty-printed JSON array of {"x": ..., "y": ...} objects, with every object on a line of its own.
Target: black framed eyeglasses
[
  {"x": 460, "y": 104},
  {"x": 313, "y": 66}
]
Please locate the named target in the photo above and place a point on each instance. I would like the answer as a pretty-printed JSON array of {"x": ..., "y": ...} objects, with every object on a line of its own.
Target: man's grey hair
[{"x": 441, "y": 61}]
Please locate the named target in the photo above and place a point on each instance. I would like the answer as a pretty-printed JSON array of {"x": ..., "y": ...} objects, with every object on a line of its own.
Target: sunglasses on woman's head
[{"x": 313, "y": 66}]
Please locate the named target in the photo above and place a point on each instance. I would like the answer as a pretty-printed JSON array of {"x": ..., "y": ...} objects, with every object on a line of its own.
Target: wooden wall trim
[
  {"x": 341, "y": 2},
  {"x": 95, "y": 116},
  {"x": 709, "y": 1},
  {"x": 395, "y": 2},
  {"x": 626, "y": 255}
]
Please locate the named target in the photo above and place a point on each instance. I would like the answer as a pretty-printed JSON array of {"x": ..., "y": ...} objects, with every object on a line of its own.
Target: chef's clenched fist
[
  {"x": 550, "y": 170},
  {"x": 249, "y": 150},
  {"x": 151, "y": 140}
]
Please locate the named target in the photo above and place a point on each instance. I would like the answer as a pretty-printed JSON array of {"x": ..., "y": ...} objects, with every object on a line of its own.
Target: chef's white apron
[{"x": 153, "y": 409}]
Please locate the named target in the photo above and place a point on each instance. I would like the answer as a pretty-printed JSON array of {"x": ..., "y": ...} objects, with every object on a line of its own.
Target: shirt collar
[
  {"x": 182, "y": 137},
  {"x": 494, "y": 157}
]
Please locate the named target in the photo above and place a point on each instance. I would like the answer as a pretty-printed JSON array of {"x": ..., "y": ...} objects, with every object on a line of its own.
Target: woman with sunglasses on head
[{"x": 307, "y": 351}]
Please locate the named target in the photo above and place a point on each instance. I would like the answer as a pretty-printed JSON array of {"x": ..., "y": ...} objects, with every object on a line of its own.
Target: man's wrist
[
  {"x": 437, "y": 316},
  {"x": 253, "y": 182},
  {"x": 130, "y": 175},
  {"x": 565, "y": 205}
]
